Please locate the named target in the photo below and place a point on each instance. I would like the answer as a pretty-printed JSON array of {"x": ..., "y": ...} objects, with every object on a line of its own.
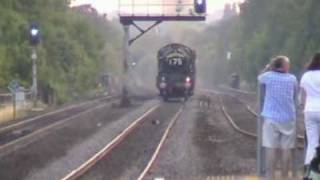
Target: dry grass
[{"x": 6, "y": 113}]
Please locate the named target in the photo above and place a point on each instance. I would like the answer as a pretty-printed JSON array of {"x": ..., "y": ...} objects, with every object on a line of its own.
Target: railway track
[
  {"x": 232, "y": 122},
  {"x": 250, "y": 110},
  {"x": 22, "y": 133},
  {"x": 110, "y": 156}
]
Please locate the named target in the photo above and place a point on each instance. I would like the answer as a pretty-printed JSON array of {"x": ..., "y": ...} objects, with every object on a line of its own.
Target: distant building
[
  {"x": 89, "y": 10},
  {"x": 85, "y": 8}
]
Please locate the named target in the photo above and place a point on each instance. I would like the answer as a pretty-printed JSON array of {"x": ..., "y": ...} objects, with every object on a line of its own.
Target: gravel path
[{"x": 179, "y": 156}]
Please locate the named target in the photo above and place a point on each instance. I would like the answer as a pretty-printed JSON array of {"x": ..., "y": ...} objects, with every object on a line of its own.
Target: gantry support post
[{"x": 125, "y": 100}]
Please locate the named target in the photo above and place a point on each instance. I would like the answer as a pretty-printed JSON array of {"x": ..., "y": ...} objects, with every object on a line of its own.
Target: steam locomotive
[{"x": 176, "y": 71}]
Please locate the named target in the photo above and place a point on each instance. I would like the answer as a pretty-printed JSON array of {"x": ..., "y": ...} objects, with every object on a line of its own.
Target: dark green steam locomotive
[{"x": 176, "y": 71}]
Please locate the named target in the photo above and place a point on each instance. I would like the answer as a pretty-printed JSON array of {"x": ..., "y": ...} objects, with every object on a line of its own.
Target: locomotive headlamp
[
  {"x": 163, "y": 85},
  {"x": 188, "y": 83},
  {"x": 188, "y": 79}
]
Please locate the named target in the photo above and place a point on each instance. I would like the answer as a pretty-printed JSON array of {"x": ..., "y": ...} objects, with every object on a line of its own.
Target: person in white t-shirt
[{"x": 310, "y": 88}]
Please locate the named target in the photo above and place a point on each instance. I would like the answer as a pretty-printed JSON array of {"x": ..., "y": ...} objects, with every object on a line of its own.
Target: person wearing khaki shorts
[
  {"x": 279, "y": 114},
  {"x": 279, "y": 135}
]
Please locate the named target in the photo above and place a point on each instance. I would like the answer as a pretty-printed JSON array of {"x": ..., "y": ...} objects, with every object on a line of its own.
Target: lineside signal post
[
  {"x": 156, "y": 11},
  {"x": 34, "y": 38}
]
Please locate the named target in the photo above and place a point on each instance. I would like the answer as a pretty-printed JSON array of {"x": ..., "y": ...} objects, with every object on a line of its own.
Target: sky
[{"x": 107, "y": 6}]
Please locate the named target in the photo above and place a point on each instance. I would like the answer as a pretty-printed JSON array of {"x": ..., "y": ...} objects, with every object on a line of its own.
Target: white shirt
[{"x": 310, "y": 82}]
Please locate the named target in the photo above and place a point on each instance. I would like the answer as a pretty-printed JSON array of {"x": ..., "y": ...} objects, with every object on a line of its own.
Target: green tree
[{"x": 75, "y": 47}]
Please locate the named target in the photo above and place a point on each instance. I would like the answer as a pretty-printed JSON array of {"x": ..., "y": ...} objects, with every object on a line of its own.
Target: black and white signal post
[{"x": 34, "y": 38}]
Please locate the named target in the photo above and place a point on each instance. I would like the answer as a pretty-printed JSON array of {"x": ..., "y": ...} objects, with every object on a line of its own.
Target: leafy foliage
[
  {"x": 75, "y": 48},
  {"x": 264, "y": 29}
]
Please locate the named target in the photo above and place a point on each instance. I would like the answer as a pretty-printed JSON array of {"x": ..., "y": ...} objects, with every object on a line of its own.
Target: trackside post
[{"x": 261, "y": 161}]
